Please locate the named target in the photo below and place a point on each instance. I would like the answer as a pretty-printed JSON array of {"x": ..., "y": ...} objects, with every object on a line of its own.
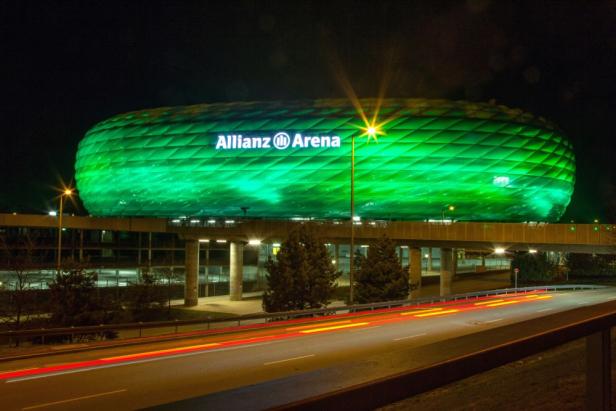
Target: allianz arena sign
[{"x": 280, "y": 141}]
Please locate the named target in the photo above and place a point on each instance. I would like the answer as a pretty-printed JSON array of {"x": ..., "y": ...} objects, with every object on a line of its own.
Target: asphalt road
[{"x": 255, "y": 369}]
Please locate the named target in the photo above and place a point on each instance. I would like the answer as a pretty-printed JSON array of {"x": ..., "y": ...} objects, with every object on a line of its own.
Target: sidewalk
[{"x": 251, "y": 302}]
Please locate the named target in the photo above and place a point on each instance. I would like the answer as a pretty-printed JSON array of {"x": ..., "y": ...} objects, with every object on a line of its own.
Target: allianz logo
[{"x": 280, "y": 141}]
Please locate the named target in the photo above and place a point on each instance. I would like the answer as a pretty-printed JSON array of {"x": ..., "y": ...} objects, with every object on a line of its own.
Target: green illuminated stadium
[{"x": 293, "y": 159}]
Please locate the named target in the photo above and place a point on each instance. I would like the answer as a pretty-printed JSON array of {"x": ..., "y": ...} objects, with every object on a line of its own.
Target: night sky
[{"x": 67, "y": 65}]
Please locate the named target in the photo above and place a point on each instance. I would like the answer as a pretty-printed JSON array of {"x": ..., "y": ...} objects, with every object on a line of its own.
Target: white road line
[
  {"x": 544, "y": 309},
  {"x": 85, "y": 397},
  {"x": 288, "y": 359},
  {"x": 409, "y": 336},
  {"x": 364, "y": 329},
  {"x": 495, "y": 320}
]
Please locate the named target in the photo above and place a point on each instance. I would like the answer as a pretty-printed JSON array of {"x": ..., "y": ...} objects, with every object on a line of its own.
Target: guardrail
[
  {"x": 19, "y": 335},
  {"x": 387, "y": 390}
]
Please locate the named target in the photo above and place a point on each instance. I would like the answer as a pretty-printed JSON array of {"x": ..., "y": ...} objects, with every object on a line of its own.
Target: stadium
[{"x": 292, "y": 159}]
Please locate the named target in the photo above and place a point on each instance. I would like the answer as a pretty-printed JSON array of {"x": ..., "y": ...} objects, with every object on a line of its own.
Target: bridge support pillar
[
  {"x": 236, "y": 270},
  {"x": 454, "y": 262},
  {"x": 414, "y": 271},
  {"x": 446, "y": 270},
  {"x": 191, "y": 282},
  {"x": 429, "y": 259}
]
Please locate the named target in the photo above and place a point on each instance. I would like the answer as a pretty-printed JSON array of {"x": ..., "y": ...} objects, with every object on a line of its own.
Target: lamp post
[
  {"x": 450, "y": 208},
  {"x": 370, "y": 132},
  {"x": 351, "y": 262},
  {"x": 67, "y": 192}
]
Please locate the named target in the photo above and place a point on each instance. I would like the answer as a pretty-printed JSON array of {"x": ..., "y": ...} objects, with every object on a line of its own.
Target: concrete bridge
[{"x": 481, "y": 236}]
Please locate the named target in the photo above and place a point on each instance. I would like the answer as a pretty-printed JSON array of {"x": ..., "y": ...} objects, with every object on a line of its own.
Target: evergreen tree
[
  {"x": 302, "y": 275},
  {"x": 380, "y": 276},
  {"x": 533, "y": 268}
]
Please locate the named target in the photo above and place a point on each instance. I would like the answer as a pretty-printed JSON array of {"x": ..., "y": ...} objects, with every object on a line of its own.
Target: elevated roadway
[{"x": 585, "y": 238}]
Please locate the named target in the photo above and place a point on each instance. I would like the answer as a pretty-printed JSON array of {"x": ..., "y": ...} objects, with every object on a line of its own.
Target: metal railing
[
  {"x": 11, "y": 337},
  {"x": 387, "y": 390}
]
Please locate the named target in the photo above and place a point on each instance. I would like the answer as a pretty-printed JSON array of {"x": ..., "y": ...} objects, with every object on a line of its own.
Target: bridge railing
[
  {"x": 387, "y": 390},
  {"x": 209, "y": 326}
]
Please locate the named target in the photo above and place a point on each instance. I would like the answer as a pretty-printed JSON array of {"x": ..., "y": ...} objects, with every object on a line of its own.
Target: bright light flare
[{"x": 499, "y": 250}]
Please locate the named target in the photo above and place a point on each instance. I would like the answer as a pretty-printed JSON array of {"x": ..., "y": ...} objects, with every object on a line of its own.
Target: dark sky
[{"x": 69, "y": 64}]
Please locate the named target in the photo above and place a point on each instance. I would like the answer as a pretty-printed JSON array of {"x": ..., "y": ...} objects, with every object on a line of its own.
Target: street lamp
[
  {"x": 371, "y": 131},
  {"x": 67, "y": 192},
  {"x": 449, "y": 208}
]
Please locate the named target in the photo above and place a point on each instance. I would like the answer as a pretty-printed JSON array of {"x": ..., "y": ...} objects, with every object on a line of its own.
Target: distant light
[
  {"x": 276, "y": 245},
  {"x": 404, "y": 246},
  {"x": 451, "y": 208},
  {"x": 103, "y": 231},
  {"x": 371, "y": 131},
  {"x": 204, "y": 240},
  {"x": 254, "y": 242},
  {"x": 14, "y": 213},
  {"x": 229, "y": 221},
  {"x": 499, "y": 250},
  {"x": 356, "y": 218},
  {"x": 532, "y": 251},
  {"x": 372, "y": 222},
  {"x": 63, "y": 229},
  {"x": 177, "y": 220},
  {"x": 501, "y": 181},
  {"x": 221, "y": 241},
  {"x": 426, "y": 255},
  {"x": 211, "y": 221},
  {"x": 53, "y": 213},
  {"x": 364, "y": 246},
  {"x": 194, "y": 221},
  {"x": 596, "y": 220},
  {"x": 68, "y": 192},
  {"x": 333, "y": 262}
]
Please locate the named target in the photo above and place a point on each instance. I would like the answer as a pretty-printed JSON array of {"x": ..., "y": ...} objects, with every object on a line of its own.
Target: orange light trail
[{"x": 380, "y": 316}]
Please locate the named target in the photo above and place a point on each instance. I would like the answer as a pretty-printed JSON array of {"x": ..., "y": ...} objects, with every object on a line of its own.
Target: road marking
[
  {"x": 544, "y": 309},
  {"x": 493, "y": 321},
  {"x": 503, "y": 303},
  {"x": 427, "y": 310},
  {"x": 335, "y": 327},
  {"x": 303, "y": 327},
  {"x": 85, "y": 397},
  {"x": 489, "y": 302},
  {"x": 289, "y": 359},
  {"x": 409, "y": 336},
  {"x": 364, "y": 329},
  {"x": 437, "y": 313}
]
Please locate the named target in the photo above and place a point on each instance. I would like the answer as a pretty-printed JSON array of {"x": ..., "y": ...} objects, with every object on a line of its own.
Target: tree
[
  {"x": 380, "y": 276},
  {"x": 302, "y": 275},
  {"x": 533, "y": 267},
  {"x": 74, "y": 300},
  {"x": 146, "y": 299},
  {"x": 591, "y": 265},
  {"x": 18, "y": 297}
]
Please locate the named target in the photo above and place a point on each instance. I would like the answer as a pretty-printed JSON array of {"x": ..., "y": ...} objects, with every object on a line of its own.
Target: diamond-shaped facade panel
[{"x": 492, "y": 163}]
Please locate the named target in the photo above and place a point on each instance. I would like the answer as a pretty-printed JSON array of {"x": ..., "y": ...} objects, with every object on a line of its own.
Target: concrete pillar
[
  {"x": 429, "y": 259},
  {"x": 207, "y": 270},
  {"x": 414, "y": 271},
  {"x": 236, "y": 270},
  {"x": 454, "y": 262},
  {"x": 337, "y": 255},
  {"x": 446, "y": 270},
  {"x": 191, "y": 283}
]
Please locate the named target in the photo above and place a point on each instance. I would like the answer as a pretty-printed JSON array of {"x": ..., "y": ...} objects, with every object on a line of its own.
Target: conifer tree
[
  {"x": 301, "y": 276},
  {"x": 380, "y": 276}
]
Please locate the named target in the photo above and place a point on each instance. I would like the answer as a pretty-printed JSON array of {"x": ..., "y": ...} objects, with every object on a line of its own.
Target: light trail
[{"x": 381, "y": 316}]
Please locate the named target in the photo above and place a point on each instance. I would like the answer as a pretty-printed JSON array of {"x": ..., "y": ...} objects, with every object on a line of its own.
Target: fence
[{"x": 165, "y": 327}]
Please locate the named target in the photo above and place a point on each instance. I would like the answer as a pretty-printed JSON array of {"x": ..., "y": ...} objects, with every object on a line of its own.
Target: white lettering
[
  {"x": 222, "y": 143},
  {"x": 280, "y": 141}
]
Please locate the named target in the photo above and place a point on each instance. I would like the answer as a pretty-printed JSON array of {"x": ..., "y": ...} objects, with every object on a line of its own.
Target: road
[{"x": 258, "y": 368}]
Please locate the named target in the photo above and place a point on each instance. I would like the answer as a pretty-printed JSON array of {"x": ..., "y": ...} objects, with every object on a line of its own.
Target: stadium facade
[{"x": 293, "y": 159}]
